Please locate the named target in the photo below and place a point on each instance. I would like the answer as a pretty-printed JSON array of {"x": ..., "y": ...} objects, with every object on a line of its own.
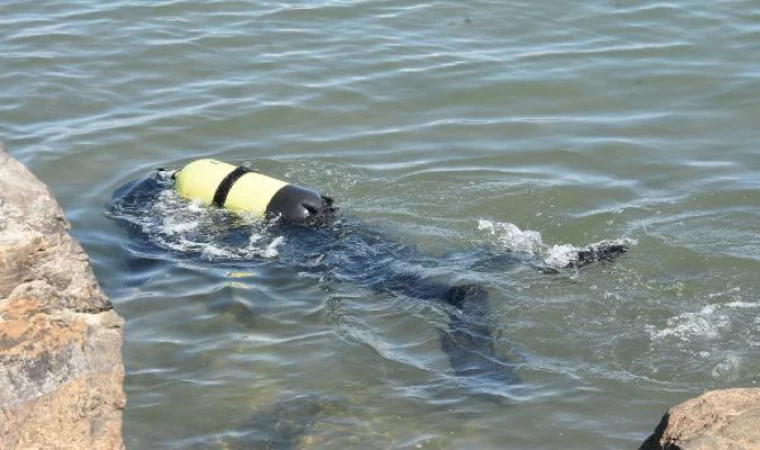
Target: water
[{"x": 448, "y": 127}]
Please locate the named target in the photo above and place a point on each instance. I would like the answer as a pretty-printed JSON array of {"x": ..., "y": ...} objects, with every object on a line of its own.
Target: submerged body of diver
[{"x": 320, "y": 240}]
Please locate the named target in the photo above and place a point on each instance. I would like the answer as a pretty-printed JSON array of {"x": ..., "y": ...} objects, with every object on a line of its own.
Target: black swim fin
[{"x": 602, "y": 251}]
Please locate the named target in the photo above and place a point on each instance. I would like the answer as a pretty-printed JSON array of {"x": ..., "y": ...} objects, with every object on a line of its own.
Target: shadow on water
[{"x": 165, "y": 229}]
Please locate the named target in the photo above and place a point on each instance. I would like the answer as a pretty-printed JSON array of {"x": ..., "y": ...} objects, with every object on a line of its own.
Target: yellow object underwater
[{"x": 242, "y": 190}]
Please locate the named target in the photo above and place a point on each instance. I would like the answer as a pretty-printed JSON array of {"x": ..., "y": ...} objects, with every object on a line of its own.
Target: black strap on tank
[{"x": 220, "y": 196}]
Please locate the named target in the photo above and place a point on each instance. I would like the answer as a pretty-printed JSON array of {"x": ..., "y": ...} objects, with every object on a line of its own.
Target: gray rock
[
  {"x": 61, "y": 372},
  {"x": 718, "y": 420}
]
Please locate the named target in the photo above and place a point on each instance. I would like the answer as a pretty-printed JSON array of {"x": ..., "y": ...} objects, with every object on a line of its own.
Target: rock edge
[
  {"x": 727, "y": 419},
  {"x": 61, "y": 371}
]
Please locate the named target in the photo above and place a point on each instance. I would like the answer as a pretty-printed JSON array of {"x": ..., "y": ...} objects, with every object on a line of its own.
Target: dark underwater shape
[
  {"x": 281, "y": 425},
  {"x": 341, "y": 249}
]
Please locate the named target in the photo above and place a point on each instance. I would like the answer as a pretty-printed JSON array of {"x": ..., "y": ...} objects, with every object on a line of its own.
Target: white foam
[
  {"x": 688, "y": 325},
  {"x": 707, "y": 323},
  {"x": 559, "y": 256},
  {"x": 740, "y": 304},
  {"x": 178, "y": 225},
  {"x": 729, "y": 368},
  {"x": 513, "y": 239},
  {"x": 271, "y": 250}
]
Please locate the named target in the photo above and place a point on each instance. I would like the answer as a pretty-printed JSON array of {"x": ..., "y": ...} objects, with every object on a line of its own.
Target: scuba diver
[{"x": 322, "y": 241}]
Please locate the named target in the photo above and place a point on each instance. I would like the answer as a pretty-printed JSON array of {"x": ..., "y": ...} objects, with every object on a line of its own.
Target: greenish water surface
[{"x": 449, "y": 126}]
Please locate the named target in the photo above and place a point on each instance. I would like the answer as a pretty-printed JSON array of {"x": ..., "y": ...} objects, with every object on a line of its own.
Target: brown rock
[
  {"x": 61, "y": 372},
  {"x": 718, "y": 420}
]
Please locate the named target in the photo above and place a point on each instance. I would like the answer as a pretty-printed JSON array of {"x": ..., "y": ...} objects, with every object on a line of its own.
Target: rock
[
  {"x": 61, "y": 372},
  {"x": 717, "y": 420}
]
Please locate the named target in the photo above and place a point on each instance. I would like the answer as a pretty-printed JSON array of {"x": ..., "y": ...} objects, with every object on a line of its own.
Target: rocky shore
[
  {"x": 727, "y": 419},
  {"x": 61, "y": 372}
]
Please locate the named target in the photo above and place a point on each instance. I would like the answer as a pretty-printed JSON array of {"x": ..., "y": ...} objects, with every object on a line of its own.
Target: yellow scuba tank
[{"x": 243, "y": 190}]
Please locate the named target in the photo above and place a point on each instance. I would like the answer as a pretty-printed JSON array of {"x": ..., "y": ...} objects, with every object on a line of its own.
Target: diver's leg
[{"x": 468, "y": 341}]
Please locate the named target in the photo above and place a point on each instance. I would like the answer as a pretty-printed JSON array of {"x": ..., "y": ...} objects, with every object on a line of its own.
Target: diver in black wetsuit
[{"x": 321, "y": 241}]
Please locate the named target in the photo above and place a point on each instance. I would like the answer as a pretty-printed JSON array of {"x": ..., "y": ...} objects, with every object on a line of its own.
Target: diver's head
[{"x": 302, "y": 206}]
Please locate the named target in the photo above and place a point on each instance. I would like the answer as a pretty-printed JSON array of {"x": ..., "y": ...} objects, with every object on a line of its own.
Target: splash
[
  {"x": 175, "y": 224},
  {"x": 512, "y": 238}
]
